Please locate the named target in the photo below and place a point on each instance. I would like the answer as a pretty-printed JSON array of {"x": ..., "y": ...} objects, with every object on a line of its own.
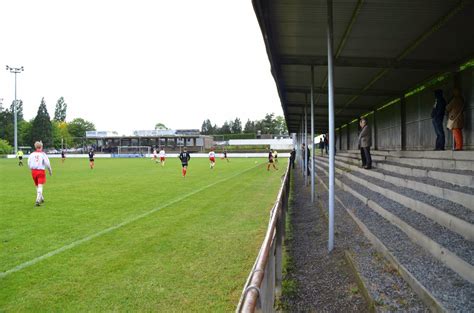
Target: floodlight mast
[{"x": 15, "y": 70}]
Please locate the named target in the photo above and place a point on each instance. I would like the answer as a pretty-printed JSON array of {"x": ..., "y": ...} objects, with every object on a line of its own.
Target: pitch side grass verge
[{"x": 191, "y": 255}]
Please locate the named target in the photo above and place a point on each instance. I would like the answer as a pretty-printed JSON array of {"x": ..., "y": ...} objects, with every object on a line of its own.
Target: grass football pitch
[{"x": 131, "y": 235}]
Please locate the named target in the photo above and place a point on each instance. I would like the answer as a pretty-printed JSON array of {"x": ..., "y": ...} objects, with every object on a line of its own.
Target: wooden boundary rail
[{"x": 264, "y": 282}]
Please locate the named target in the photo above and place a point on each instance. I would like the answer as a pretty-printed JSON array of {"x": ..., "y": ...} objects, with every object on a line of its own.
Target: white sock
[{"x": 39, "y": 193}]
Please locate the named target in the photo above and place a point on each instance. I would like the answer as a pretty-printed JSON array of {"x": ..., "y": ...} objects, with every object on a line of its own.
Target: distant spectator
[
  {"x": 437, "y": 116},
  {"x": 308, "y": 157},
  {"x": 321, "y": 146},
  {"x": 292, "y": 158},
  {"x": 326, "y": 143},
  {"x": 456, "y": 118},
  {"x": 365, "y": 141}
]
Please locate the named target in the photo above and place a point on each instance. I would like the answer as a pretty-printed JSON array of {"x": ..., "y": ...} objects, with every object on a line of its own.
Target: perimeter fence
[{"x": 263, "y": 284}]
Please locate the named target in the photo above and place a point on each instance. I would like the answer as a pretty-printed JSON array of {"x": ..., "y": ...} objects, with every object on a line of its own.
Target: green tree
[
  {"x": 249, "y": 127},
  {"x": 280, "y": 126},
  {"x": 5, "y": 147},
  {"x": 78, "y": 127},
  {"x": 42, "y": 128},
  {"x": 160, "y": 126},
  {"x": 225, "y": 129},
  {"x": 60, "y": 110},
  {"x": 237, "y": 126},
  {"x": 61, "y": 136},
  {"x": 19, "y": 110},
  {"x": 6, "y": 125},
  {"x": 24, "y": 133}
]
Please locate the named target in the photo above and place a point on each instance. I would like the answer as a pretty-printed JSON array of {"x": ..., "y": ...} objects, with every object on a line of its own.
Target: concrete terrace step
[
  {"x": 463, "y": 178},
  {"x": 436, "y": 284},
  {"x": 457, "y": 194},
  {"x": 426, "y": 154},
  {"x": 435, "y": 161},
  {"x": 448, "y": 247},
  {"x": 454, "y": 217}
]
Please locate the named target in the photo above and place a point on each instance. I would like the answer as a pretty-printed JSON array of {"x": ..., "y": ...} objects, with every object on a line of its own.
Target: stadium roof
[{"x": 382, "y": 49}]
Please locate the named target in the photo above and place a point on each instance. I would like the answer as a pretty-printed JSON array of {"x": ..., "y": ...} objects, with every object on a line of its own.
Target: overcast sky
[{"x": 126, "y": 65}]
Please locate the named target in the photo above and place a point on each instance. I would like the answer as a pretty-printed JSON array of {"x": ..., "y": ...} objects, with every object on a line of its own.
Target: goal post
[{"x": 133, "y": 151}]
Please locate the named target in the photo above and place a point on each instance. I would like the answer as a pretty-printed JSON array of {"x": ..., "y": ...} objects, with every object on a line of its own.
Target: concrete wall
[{"x": 411, "y": 117}]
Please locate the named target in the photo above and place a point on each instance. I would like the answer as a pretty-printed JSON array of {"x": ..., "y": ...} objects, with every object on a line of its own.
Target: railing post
[{"x": 279, "y": 252}]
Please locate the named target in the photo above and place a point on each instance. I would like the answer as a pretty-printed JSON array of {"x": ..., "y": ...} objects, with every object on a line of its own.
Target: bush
[{"x": 5, "y": 147}]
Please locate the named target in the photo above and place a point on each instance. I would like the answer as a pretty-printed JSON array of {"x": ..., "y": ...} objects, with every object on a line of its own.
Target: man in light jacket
[{"x": 365, "y": 141}]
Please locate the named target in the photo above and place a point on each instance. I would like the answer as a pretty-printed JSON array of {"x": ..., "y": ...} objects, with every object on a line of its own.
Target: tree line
[
  {"x": 270, "y": 124},
  {"x": 53, "y": 132}
]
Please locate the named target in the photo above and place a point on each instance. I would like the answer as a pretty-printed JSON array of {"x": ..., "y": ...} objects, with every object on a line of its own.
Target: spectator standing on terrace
[
  {"x": 365, "y": 141},
  {"x": 308, "y": 157},
  {"x": 321, "y": 146},
  {"x": 292, "y": 158},
  {"x": 437, "y": 116},
  {"x": 456, "y": 118},
  {"x": 326, "y": 143}
]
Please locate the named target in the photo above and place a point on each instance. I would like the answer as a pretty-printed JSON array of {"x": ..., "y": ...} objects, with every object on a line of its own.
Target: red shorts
[
  {"x": 39, "y": 177},
  {"x": 212, "y": 160},
  {"x": 162, "y": 159}
]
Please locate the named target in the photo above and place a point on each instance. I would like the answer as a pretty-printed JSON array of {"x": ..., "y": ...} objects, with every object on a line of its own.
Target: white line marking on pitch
[{"x": 108, "y": 230}]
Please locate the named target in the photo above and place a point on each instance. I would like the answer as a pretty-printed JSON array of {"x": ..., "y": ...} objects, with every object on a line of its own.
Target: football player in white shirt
[
  {"x": 38, "y": 161},
  {"x": 155, "y": 155},
  {"x": 162, "y": 157},
  {"x": 212, "y": 158}
]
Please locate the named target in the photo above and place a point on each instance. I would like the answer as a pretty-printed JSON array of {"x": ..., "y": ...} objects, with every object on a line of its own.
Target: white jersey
[
  {"x": 38, "y": 160},
  {"x": 154, "y": 153},
  {"x": 212, "y": 154},
  {"x": 162, "y": 153}
]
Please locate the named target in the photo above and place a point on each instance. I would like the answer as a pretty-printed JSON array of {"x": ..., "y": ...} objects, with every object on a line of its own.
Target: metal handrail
[{"x": 264, "y": 281}]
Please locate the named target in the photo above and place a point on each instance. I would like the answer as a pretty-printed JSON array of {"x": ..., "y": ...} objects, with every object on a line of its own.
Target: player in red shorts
[
  {"x": 162, "y": 157},
  {"x": 38, "y": 161},
  {"x": 212, "y": 159},
  {"x": 184, "y": 157}
]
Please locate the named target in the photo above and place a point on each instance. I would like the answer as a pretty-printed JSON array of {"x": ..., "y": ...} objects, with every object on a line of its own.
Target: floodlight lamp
[
  {"x": 22, "y": 69},
  {"x": 7, "y": 68}
]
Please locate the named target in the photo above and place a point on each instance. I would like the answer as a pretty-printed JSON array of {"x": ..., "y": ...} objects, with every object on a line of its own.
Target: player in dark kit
[
  {"x": 184, "y": 157},
  {"x": 270, "y": 161},
  {"x": 91, "y": 159}
]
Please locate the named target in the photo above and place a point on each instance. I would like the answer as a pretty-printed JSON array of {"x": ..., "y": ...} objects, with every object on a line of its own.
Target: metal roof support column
[
  {"x": 312, "y": 134},
  {"x": 301, "y": 147},
  {"x": 305, "y": 146},
  {"x": 403, "y": 123},
  {"x": 331, "y": 124}
]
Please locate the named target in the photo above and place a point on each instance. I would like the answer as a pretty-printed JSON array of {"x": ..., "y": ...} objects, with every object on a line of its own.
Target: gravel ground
[
  {"x": 447, "y": 206},
  {"x": 456, "y": 294},
  {"x": 457, "y": 244},
  {"x": 323, "y": 280},
  {"x": 388, "y": 289}
]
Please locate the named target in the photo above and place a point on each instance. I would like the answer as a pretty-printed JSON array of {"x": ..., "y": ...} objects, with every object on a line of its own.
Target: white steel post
[
  {"x": 331, "y": 124},
  {"x": 305, "y": 146},
  {"x": 312, "y": 134}
]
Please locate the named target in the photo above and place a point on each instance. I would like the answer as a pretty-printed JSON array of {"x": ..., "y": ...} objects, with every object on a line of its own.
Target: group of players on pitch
[
  {"x": 38, "y": 162},
  {"x": 184, "y": 156}
]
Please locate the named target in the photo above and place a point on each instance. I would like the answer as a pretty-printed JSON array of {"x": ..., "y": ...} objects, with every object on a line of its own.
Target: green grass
[{"x": 191, "y": 254}]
